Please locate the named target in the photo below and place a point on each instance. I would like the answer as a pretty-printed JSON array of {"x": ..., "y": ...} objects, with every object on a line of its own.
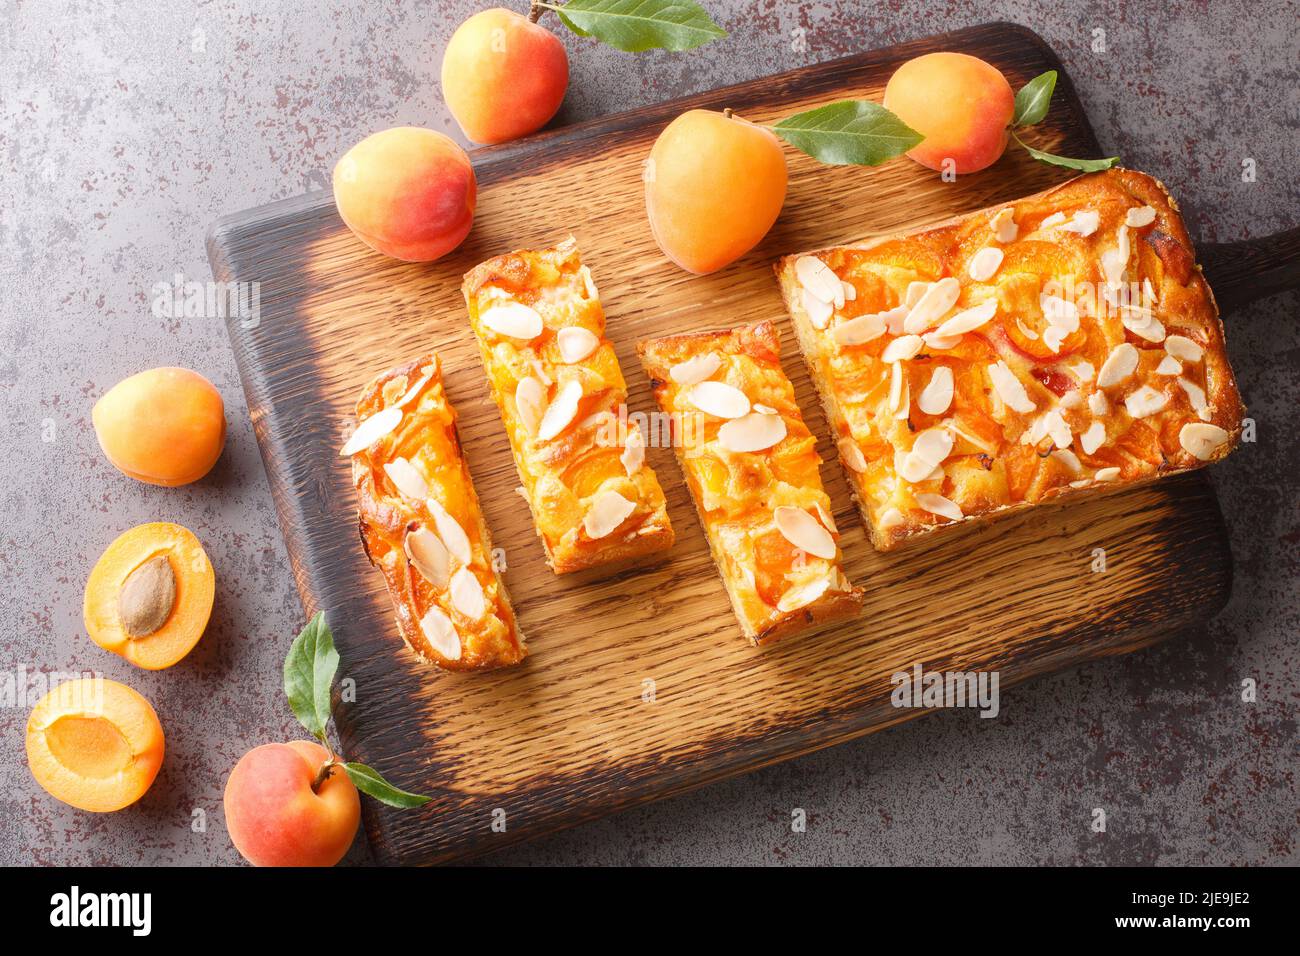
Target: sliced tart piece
[
  {"x": 752, "y": 468},
  {"x": 1048, "y": 349},
  {"x": 421, "y": 524},
  {"x": 556, "y": 379}
]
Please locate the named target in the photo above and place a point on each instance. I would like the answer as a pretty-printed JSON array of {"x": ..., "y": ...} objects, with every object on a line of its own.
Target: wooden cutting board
[{"x": 639, "y": 685}]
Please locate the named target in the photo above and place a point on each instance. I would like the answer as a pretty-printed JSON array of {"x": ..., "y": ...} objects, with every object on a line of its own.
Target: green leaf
[
  {"x": 1033, "y": 99},
  {"x": 369, "y": 781},
  {"x": 850, "y": 132},
  {"x": 309, "y": 675},
  {"x": 1082, "y": 165},
  {"x": 636, "y": 25}
]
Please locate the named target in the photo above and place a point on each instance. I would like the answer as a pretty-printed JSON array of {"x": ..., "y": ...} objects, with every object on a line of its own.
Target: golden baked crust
[
  {"x": 557, "y": 381},
  {"x": 421, "y": 524},
  {"x": 752, "y": 468},
  {"x": 1092, "y": 355}
]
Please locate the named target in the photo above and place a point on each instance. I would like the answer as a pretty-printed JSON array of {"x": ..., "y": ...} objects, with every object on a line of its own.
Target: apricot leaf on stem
[
  {"x": 849, "y": 132},
  {"x": 309, "y": 675},
  {"x": 1033, "y": 99},
  {"x": 371, "y": 783},
  {"x": 636, "y": 25}
]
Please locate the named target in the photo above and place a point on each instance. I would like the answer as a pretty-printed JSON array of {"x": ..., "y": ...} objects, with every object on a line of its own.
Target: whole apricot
[
  {"x": 166, "y": 426},
  {"x": 502, "y": 76},
  {"x": 714, "y": 186},
  {"x": 407, "y": 192},
  {"x": 960, "y": 104},
  {"x": 95, "y": 744},
  {"x": 274, "y": 816}
]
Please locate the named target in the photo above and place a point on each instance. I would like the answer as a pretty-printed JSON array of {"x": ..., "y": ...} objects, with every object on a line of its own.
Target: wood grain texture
[{"x": 567, "y": 736}]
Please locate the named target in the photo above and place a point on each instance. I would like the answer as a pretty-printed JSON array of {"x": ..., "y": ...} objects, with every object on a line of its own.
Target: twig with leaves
[{"x": 1031, "y": 108}]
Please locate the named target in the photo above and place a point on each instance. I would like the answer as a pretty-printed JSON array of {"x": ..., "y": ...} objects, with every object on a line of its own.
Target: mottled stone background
[{"x": 126, "y": 128}]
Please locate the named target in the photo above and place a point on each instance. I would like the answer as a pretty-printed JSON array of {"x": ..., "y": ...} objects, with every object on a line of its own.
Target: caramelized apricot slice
[
  {"x": 95, "y": 744},
  {"x": 149, "y": 596}
]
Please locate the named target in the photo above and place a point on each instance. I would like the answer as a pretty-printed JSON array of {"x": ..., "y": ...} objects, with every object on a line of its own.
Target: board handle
[{"x": 1242, "y": 272}]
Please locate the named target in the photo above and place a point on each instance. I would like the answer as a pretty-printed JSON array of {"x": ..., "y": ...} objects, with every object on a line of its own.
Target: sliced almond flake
[
  {"x": 1083, "y": 371},
  {"x": 1055, "y": 219},
  {"x": 1081, "y": 483},
  {"x": 1181, "y": 347},
  {"x": 851, "y": 455},
  {"x": 1025, "y": 330},
  {"x": 608, "y": 510},
  {"x": 561, "y": 412},
  {"x": 1093, "y": 437},
  {"x": 1140, "y": 216},
  {"x": 1004, "y": 226},
  {"x": 933, "y": 306},
  {"x": 413, "y": 390},
  {"x": 889, "y": 518},
  {"x": 850, "y": 291},
  {"x": 928, "y": 452},
  {"x": 1084, "y": 222},
  {"x": 530, "y": 401},
  {"x": 894, "y": 319},
  {"x": 765, "y": 409},
  {"x": 576, "y": 343},
  {"x": 441, "y": 633},
  {"x": 1053, "y": 337},
  {"x": 513, "y": 320},
  {"x": 695, "y": 369},
  {"x": 428, "y": 555},
  {"x": 588, "y": 283},
  {"x": 818, "y": 279},
  {"x": 1098, "y": 405},
  {"x": 804, "y": 532},
  {"x": 466, "y": 594},
  {"x": 1069, "y": 459},
  {"x": 902, "y": 403},
  {"x": 1195, "y": 394},
  {"x": 1202, "y": 439},
  {"x": 371, "y": 430},
  {"x": 937, "y": 394},
  {"x": 450, "y": 531},
  {"x": 539, "y": 372},
  {"x": 819, "y": 312},
  {"x": 860, "y": 330},
  {"x": 1115, "y": 261},
  {"x": 1169, "y": 366},
  {"x": 752, "y": 432},
  {"x": 968, "y": 320},
  {"x": 915, "y": 291},
  {"x": 984, "y": 264},
  {"x": 826, "y": 518},
  {"x": 1010, "y": 389},
  {"x": 902, "y": 348},
  {"x": 1058, "y": 429},
  {"x": 940, "y": 343},
  {"x": 1145, "y": 326},
  {"x": 939, "y": 505},
  {"x": 406, "y": 478},
  {"x": 633, "y": 456},
  {"x": 802, "y": 595},
  {"x": 1148, "y": 292},
  {"x": 955, "y": 425},
  {"x": 1059, "y": 311},
  {"x": 1036, "y": 431},
  {"x": 1145, "y": 401},
  {"x": 1071, "y": 399},
  {"x": 1119, "y": 365},
  {"x": 1106, "y": 474},
  {"x": 718, "y": 399}
]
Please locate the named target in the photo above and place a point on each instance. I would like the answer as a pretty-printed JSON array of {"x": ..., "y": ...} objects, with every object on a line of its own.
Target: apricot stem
[
  {"x": 535, "y": 11},
  {"x": 323, "y": 773}
]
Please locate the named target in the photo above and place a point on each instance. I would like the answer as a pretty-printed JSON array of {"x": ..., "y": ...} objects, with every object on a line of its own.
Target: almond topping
[
  {"x": 413, "y": 390},
  {"x": 859, "y": 331},
  {"x": 1145, "y": 401},
  {"x": 1181, "y": 347},
  {"x": 1097, "y": 404},
  {"x": 817, "y": 279},
  {"x": 819, "y": 312},
  {"x": 968, "y": 320},
  {"x": 826, "y": 518},
  {"x": 985, "y": 263},
  {"x": 804, "y": 532},
  {"x": 1107, "y": 474},
  {"x": 889, "y": 518},
  {"x": 851, "y": 455},
  {"x": 530, "y": 401},
  {"x": 937, "y": 394},
  {"x": 936, "y": 302},
  {"x": 1140, "y": 216},
  {"x": 850, "y": 291},
  {"x": 903, "y": 347},
  {"x": 371, "y": 430},
  {"x": 1003, "y": 225},
  {"x": 1010, "y": 389},
  {"x": 406, "y": 478},
  {"x": 1169, "y": 366},
  {"x": 1083, "y": 371},
  {"x": 695, "y": 369},
  {"x": 467, "y": 594},
  {"x": 576, "y": 343},
  {"x": 1055, "y": 219},
  {"x": 718, "y": 399},
  {"x": 441, "y": 633},
  {"x": 633, "y": 456},
  {"x": 513, "y": 320},
  {"x": 752, "y": 432},
  {"x": 561, "y": 412},
  {"x": 940, "y": 343},
  {"x": 802, "y": 595},
  {"x": 1058, "y": 429},
  {"x": 450, "y": 531},
  {"x": 608, "y": 511},
  {"x": 428, "y": 555},
  {"x": 1093, "y": 437},
  {"x": 915, "y": 290},
  {"x": 939, "y": 505},
  {"x": 1084, "y": 222},
  {"x": 1195, "y": 395},
  {"x": 1202, "y": 439},
  {"x": 1119, "y": 365},
  {"x": 898, "y": 402},
  {"x": 1142, "y": 324},
  {"x": 929, "y": 450},
  {"x": 1069, "y": 459}
]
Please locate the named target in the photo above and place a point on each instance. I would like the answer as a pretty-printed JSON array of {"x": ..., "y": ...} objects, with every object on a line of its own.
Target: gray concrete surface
[{"x": 126, "y": 128}]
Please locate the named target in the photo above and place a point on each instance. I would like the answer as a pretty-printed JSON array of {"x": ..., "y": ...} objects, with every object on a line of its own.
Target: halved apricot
[
  {"x": 95, "y": 744},
  {"x": 150, "y": 594}
]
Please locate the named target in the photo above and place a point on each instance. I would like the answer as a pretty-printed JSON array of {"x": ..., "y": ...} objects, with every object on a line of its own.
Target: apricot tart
[
  {"x": 1045, "y": 349},
  {"x": 752, "y": 468},
  {"x": 421, "y": 524},
  {"x": 557, "y": 382}
]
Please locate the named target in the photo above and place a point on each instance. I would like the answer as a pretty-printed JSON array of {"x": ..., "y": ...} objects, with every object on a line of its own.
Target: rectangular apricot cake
[
  {"x": 752, "y": 468},
  {"x": 1048, "y": 348},
  {"x": 421, "y": 524},
  {"x": 556, "y": 379}
]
